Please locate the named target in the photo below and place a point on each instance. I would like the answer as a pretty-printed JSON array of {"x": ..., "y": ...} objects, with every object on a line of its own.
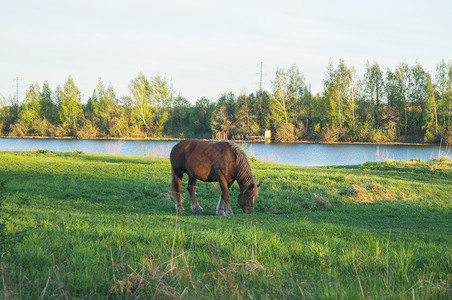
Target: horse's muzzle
[{"x": 248, "y": 210}]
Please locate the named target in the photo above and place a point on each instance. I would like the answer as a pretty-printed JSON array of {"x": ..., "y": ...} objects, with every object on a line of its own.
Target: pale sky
[{"x": 207, "y": 48}]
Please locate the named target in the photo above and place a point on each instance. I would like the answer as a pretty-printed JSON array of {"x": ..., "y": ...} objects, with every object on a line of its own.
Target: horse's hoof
[
  {"x": 221, "y": 212},
  {"x": 179, "y": 208},
  {"x": 197, "y": 209}
]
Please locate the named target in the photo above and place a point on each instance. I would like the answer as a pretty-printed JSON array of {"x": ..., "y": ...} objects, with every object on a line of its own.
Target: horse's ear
[{"x": 259, "y": 184}]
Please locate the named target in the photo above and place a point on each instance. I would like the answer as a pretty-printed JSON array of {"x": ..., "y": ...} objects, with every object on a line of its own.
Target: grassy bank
[{"x": 105, "y": 226}]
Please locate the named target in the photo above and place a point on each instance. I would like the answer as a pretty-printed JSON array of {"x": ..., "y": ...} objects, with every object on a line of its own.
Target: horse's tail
[
  {"x": 176, "y": 186},
  {"x": 173, "y": 183}
]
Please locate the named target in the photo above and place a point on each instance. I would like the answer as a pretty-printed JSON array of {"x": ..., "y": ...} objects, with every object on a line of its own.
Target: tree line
[{"x": 402, "y": 105}]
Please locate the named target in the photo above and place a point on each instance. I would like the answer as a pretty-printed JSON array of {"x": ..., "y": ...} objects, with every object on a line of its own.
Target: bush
[
  {"x": 19, "y": 129},
  {"x": 44, "y": 128},
  {"x": 335, "y": 134},
  {"x": 300, "y": 130},
  {"x": 88, "y": 130},
  {"x": 364, "y": 132},
  {"x": 120, "y": 126},
  {"x": 286, "y": 133},
  {"x": 447, "y": 137},
  {"x": 60, "y": 131}
]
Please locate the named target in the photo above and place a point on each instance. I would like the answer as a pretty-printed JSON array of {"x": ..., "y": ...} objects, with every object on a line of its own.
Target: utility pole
[
  {"x": 260, "y": 90},
  {"x": 309, "y": 108},
  {"x": 17, "y": 95},
  {"x": 260, "y": 83}
]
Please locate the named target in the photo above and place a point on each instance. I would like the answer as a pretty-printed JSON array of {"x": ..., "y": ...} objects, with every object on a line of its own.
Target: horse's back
[{"x": 182, "y": 151}]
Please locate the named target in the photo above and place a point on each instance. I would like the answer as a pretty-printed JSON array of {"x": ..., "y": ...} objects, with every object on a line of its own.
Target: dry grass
[
  {"x": 322, "y": 202},
  {"x": 361, "y": 194},
  {"x": 375, "y": 187},
  {"x": 154, "y": 279},
  {"x": 166, "y": 197},
  {"x": 274, "y": 210}
]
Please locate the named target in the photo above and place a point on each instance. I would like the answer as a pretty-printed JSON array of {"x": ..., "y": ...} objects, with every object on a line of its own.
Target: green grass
[{"x": 105, "y": 226}]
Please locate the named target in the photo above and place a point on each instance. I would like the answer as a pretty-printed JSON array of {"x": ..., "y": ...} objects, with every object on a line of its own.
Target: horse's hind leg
[
  {"x": 220, "y": 206},
  {"x": 191, "y": 190},
  {"x": 176, "y": 187},
  {"x": 225, "y": 197}
]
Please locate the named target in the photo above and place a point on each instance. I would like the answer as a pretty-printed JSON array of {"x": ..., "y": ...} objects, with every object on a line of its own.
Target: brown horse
[{"x": 221, "y": 162}]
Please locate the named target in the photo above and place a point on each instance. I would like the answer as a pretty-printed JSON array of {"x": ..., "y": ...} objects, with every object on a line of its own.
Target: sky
[{"x": 207, "y": 48}]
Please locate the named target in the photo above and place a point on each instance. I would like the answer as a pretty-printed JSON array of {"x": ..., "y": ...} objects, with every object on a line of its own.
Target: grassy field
[{"x": 98, "y": 226}]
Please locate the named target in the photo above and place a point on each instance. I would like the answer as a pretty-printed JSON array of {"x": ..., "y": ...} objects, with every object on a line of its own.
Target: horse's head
[{"x": 248, "y": 197}]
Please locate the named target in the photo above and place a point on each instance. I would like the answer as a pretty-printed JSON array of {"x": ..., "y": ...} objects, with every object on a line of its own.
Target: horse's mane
[{"x": 242, "y": 165}]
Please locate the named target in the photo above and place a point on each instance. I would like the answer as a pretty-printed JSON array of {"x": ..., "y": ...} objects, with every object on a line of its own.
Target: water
[{"x": 295, "y": 154}]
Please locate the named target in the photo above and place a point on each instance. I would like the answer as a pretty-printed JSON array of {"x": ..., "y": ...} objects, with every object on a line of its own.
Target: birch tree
[
  {"x": 374, "y": 89},
  {"x": 140, "y": 90},
  {"x": 431, "y": 115},
  {"x": 340, "y": 89},
  {"x": 443, "y": 80},
  {"x": 70, "y": 107},
  {"x": 286, "y": 103},
  {"x": 160, "y": 98}
]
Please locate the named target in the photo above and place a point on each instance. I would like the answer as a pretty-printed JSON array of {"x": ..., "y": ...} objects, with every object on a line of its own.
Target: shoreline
[{"x": 212, "y": 140}]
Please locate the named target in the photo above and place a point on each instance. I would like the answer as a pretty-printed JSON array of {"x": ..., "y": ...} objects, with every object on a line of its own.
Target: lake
[{"x": 295, "y": 154}]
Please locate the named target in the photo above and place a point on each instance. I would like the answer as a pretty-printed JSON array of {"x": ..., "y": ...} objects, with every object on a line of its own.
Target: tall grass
[{"x": 102, "y": 226}]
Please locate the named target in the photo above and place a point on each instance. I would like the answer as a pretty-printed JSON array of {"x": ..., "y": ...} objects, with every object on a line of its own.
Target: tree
[
  {"x": 373, "y": 90},
  {"x": 286, "y": 102},
  {"x": 161, "y": 96},
  {"x": 31, "y": 111},
  {"x": 49, "y": 110},
  {"x": 351, "y": 95},
  {"x": 280, "y": 100},
  {"x": 261, "y": 109},
  {"x": 103, "y": 102},
  {"x": 406, "y": 90},
  {"x": 340, "y": 90},
  {"x": 140, "y": 89},
  {"x": 152, "y": 102},
  {"x": 244, "y": 117},
  {"x": 398, "y": 91},
  {"x": 443, "y": 82},
  {"x": 180, "y": 116},
  {"x": 200, "y": 118},
  {"x": 431, "y": 114},
  {"x": 418, "y": 98},
  {"x": 70, "y": 106},
  {"x": 223, "y": 119}
]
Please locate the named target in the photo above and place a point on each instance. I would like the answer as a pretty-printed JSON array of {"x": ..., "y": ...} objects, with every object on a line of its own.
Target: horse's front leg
[
  {"x": 225, "y": 198},
  {"x": 191, "y": 190}
]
